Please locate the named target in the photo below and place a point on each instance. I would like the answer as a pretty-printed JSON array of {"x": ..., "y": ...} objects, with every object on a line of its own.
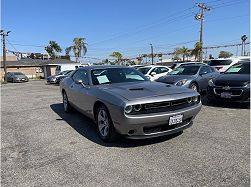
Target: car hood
[
  {"x": 171, "y": 79},
  {"x": 231, "y": 79},
  {"x": 146, "y": 89}
]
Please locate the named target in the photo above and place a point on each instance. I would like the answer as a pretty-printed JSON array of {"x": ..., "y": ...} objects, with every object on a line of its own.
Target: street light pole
[
  {"x": 3, "y": 34},
  {"x": 152, "y": 52}
]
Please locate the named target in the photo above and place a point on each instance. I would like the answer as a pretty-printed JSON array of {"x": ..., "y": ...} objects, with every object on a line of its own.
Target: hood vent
[{"x": 136, "y": 89}]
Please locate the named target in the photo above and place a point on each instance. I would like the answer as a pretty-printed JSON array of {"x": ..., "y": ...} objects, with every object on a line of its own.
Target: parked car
[
  {"x": 222, "y": 64},
  {"x": 231, "y": 86},
  {"x": 16, "y": 77},
  {"x": 194, "y": 76},
  {"x": 153, "y": 72},
  {"x": 137, "y": 66},
  {"x": 65, "y": 67},
  {"x": 55, "y": 79},
  {"x": 178, "y": 64},
  {"x": 123, "y": 101}
]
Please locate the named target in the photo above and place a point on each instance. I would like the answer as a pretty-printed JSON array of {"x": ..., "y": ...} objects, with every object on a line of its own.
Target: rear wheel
[
  {"x": 67, "y": 106},
  {"x": 105, "y": 126}
]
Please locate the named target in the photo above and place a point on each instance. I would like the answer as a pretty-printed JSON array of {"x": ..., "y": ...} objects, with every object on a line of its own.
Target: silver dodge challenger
[{"x": 122, "y": 101}]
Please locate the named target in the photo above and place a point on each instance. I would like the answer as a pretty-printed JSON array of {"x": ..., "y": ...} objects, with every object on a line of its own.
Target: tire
[
  {"x": 105, "y": 128},
  {"x": 194, "y": 87},
  {"x": 67, "y": 106}
]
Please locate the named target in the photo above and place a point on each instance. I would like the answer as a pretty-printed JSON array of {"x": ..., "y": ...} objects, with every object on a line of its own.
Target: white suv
[
  {"x": 222, "y": 64},
  {"x": 153, "y": 72}
]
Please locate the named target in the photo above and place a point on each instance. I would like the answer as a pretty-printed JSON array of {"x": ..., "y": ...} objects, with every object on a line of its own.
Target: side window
[
  {"x": 212, "y": 69},
  {"x": 163, "y": 70},
  {"x": 81, "y": 75},
  {"x": 156, "y": 70},
  {"x": 205, "y": 70}
]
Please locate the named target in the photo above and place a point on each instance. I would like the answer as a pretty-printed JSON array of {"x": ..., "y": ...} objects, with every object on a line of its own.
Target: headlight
[
  {"x": 128, "y": 109},
  {"x": 247, "y": 84},
  {"x": 211, "y": 83},
  {"x": 17, "y": 78},
  {"x": 195, "y": 99},
  {"x": 181, "y": 82},
  {"x": 137, "y": 107}
]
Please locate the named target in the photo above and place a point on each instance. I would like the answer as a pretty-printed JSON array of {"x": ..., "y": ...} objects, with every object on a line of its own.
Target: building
[{"x": 34, "y": 68}]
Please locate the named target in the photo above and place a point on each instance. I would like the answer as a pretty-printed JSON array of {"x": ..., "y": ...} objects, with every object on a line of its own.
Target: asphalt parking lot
[{"x": 43, "y": 146}]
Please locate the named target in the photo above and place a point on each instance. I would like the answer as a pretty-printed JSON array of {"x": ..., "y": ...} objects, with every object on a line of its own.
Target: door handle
[{"x": 71, "y": 86}]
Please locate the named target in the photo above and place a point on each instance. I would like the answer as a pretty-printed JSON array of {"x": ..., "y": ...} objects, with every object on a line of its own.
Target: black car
[
  {"x": 16, "y": 77},
  {"x": 231, "y": 86},
  {"x": 55, "y": 79}
]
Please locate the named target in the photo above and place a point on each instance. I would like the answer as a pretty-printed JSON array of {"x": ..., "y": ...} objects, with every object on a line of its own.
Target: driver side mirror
[
  {"x": 153, "y": 73},
  {"x": 80, "y": 81},
  {"x": 203, "y": 73}
]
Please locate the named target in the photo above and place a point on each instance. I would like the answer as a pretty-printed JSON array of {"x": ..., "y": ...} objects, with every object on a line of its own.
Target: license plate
[
  {"x": 175, "y": 119},
  {"x": 225, "y": 95}
]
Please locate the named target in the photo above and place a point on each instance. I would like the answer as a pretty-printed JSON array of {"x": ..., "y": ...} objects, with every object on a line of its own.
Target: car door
[
  {"x": 80, "y": 91},
  {"x": 205, "y": 74}
]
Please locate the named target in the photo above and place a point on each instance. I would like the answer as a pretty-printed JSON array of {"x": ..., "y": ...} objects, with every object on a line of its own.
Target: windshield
[
  {"x": 239, "y": 68},
  {"x": 185, "y": 70},
  {"x": 18, "y": 73},
  {"x": 219, "y": 62},
  {"x": 144, "y": 70},
  {"x": 116, "y": 75}
]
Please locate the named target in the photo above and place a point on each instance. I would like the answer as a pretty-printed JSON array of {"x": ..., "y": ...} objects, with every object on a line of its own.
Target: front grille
[
  {"x": 165, "y": 127},
  {"x": 234, "y": 92},
  {"x": 165, "y": 106}
]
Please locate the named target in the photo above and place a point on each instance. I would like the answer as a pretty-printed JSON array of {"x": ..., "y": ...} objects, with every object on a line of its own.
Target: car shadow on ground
[
  {"x": 222, "y": 104},
  {"x": 87, "y": 128}
]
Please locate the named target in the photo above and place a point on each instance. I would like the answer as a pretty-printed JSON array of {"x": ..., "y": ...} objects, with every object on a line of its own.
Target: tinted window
[
  {"x": 185, "y": 70},
  {"x": 239, "y": 68},
  {"x": 219, "y": 62},
  {"x": 116, "y": 75},
  {"x": 163, "y": 70},
  {"x": 205, "y": 70},
  {"x": 81, "y": 75},
  {"x": 144, "y": 70},
  {"x": 58, "y": 68},
  {"x": 156, "y": 70},
  {"x": 18, "y": 73}
]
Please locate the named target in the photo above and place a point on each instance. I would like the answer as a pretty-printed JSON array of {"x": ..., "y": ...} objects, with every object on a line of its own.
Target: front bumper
[
  {"x": 243, "y": 97},
  {"x": 155, "y": 124}
]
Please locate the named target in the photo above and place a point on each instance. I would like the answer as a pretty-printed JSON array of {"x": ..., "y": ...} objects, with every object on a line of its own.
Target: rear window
[{"x": 220, "y": 62}]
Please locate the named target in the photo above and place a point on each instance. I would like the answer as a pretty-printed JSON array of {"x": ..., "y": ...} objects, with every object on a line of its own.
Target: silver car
[
  {"x": 194, "y": 76},
  {"x": 123, "y": 101}
]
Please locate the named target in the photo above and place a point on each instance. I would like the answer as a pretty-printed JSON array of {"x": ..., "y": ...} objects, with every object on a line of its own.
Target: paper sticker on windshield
[{"x": 102, "y": 79}]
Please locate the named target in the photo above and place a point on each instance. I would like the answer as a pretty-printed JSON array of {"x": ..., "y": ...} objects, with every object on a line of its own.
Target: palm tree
[
  {"x": 52, "y": 49},
  {"x": 184, "y": 52},
  {"x": 117, "y": 55},
  {"x": 196, "y": 51},
  {"x": 78, "y": 47}
]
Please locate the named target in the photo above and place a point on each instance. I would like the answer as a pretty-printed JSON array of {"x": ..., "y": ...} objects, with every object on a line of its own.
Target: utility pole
[
  {"x": 200, "y": 17},
  {"x": 152, "y": 52},
  {"x": 243, "y": 38},
  {"x": 4, "y": 34}
]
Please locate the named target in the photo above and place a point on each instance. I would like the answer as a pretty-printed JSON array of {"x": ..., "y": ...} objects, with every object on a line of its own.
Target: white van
[
  {"x": 64, "y": 67},
  {"x": 222, "y": 64}
]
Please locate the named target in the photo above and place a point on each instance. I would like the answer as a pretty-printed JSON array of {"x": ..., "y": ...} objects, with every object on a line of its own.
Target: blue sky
[{"x": 127, "y": 26}]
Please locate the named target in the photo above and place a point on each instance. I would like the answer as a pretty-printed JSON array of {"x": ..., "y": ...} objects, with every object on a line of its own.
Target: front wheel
[
  {"x": 105, "y": 127},
  {"x": 67, "y": 106}
]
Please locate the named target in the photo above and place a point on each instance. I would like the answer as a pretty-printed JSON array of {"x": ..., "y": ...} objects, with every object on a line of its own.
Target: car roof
[
  {"x": 102, "y": 67},
  {"x": 153, "y": 66}
]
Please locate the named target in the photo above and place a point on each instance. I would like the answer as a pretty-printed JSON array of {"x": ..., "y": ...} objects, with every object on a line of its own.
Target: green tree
[
  {"x": 196, "y": 51},
  {"x": 183, "y": 51},
  {"x": 78, "y": 47},
  {"x": 118, "y": 56},
  {"x": 225, "y": 54},
  {"x": 52, "y": 49}
]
